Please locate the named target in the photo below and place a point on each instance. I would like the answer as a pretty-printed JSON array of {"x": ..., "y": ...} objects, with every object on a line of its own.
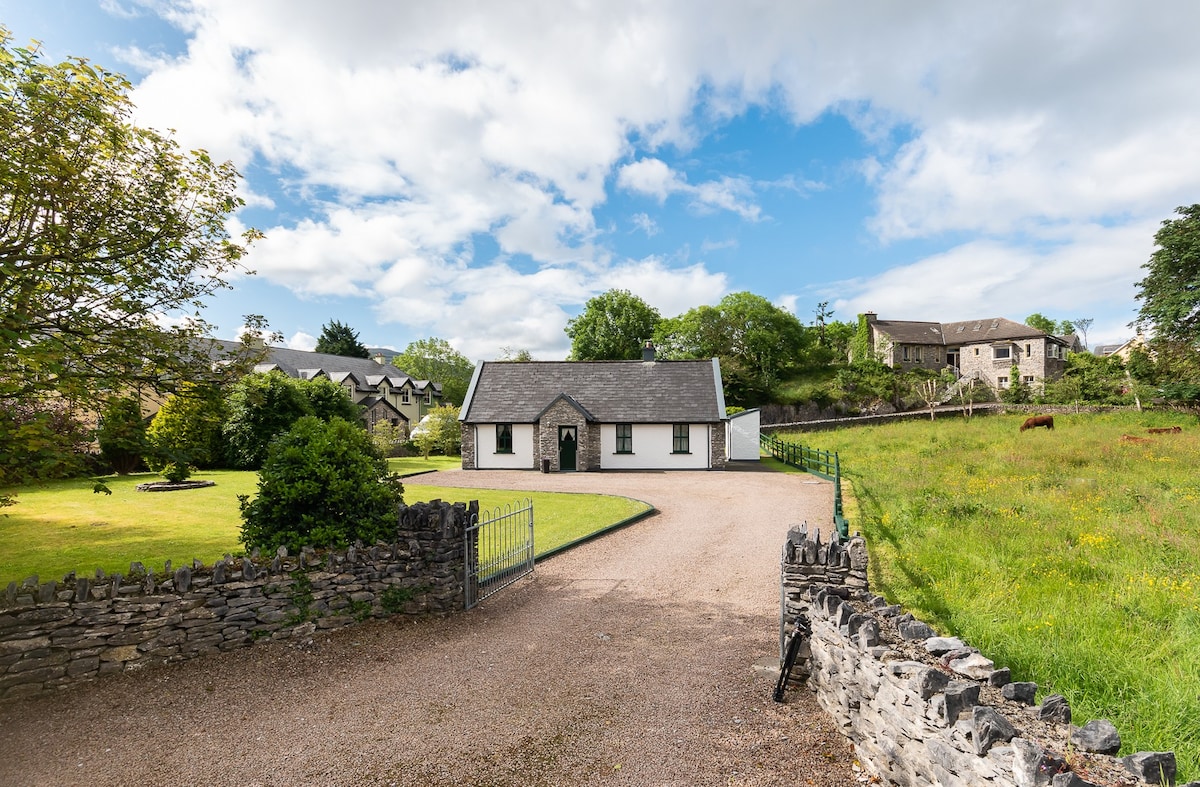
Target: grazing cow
[
  {"x": 1038, "y": 420},
  {"x": 1128, "y": 438},
  {"x": 1165, "y": 430}
]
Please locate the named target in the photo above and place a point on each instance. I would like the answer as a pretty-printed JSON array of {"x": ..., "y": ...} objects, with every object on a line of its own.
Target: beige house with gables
[{"x": 984, "y": 350}]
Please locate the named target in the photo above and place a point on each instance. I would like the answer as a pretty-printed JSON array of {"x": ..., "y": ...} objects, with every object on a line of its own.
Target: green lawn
[
  {"x": 408, "y": 465},
  {"x": 1071, "y": 556},
  {"x": 557, "y": 516},
  {"x": 63, "y": 526}
]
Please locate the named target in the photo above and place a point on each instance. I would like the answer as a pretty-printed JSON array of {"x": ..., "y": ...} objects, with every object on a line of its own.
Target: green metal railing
[{"x": 815, "y": 461}]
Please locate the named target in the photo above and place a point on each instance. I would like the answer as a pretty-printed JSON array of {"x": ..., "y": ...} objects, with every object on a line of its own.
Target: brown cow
[
  {"x": 1165, "y": 430},
  {"x": 1038, "y": 420}
]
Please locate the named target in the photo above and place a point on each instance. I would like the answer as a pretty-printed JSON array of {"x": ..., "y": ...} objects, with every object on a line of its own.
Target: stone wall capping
[{"x": 923, "y": 709}]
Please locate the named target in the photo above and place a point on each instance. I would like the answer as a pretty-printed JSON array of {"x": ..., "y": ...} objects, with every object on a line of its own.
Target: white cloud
[
  {"x": 1065, "y": 280},
  {"x": 646, "y": 224},
  {"x": 652, "y": 177},
  {"x": 302, "y": 341},
  {"x": 1055, "y": 135}
]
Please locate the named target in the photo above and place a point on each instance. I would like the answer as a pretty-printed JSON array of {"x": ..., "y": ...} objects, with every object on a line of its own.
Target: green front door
[{"x": 568, "y": 441}]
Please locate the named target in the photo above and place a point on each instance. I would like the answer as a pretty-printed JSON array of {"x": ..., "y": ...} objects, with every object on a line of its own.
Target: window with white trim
[{"x": 1001, "y": 353}]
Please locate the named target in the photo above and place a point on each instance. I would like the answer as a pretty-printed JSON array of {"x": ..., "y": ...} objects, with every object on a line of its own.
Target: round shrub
[{"x": 322, "y": 484}]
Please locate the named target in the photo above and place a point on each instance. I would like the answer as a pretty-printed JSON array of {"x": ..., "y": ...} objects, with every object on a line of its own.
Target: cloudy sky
[{"x": 477, "y": 170}]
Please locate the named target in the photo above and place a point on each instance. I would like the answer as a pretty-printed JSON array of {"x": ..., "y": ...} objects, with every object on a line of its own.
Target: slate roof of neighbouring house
[
  {"x": 952, "y": 334},
  {"x": 609, "y": 391},
  {"x": 302, "y": 364}
]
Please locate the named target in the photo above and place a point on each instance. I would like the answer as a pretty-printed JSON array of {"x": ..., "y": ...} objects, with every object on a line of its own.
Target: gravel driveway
[{"x": 635, "y": 659}]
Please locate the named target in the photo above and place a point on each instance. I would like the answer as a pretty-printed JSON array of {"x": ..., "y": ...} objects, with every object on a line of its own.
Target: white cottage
[{"x": 594, "y": 415}]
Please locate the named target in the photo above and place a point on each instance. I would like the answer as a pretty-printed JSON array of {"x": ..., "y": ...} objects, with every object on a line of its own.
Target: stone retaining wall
[
  {"x": 55, "y": 634},
  {"x": 928, "y": 710}
]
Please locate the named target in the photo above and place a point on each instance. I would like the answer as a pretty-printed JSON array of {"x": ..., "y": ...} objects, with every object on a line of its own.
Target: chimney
[
  {"x": 870, "y": 316},
  {"x": 378, "y": 358},
  {"x": 648, "y": 352}
]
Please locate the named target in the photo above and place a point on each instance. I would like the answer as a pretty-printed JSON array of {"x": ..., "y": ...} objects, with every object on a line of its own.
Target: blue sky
[{"x": 477, "y": 170}]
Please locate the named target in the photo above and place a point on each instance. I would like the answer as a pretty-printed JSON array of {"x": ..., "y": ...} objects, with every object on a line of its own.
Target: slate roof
[
  {"x": 609, "y": 391},
  {"x": 953, "y": 334},
  {"x": 294, "y": 362}
]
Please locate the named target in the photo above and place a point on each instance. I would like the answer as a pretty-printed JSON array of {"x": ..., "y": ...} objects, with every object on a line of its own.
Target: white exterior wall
[
  {"x": 652, "y": 448},
  {"x": 521, "y": 457},
  {"x": 742, "y": 443}
]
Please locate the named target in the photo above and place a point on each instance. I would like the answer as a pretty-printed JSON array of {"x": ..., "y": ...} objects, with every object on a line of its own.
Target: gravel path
[{"x": 641, "y": 658}]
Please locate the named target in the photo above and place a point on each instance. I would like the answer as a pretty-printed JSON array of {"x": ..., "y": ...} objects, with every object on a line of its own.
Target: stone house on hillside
[
  {"x": 383, "y": 391},
  {"x": 595, "y": 415},
  {"x": 984, "y": 350}
]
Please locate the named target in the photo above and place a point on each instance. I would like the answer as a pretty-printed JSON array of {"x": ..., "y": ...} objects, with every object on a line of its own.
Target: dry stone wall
[
  {"x": 928, "y": 710},
  {"x": 55, "y": 634}
]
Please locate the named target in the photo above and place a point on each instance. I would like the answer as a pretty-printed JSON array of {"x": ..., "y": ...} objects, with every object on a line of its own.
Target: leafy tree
[
  {"x": 612, "y": 327},
  {"x": 1095, "y": 379},
  {"x": 322, "y": 484},
  {"x": 1065, "y": 328},
  {"x": 756, "y": 342},
  {"x": 104, "y": 227},
  {"x": 439, "y": 430},
  {"x": 340, "y": 339},
  {"x": 187, "y": 429},
  {"x": 519, "y": 355},
  {"x": 259, "y": 407},
  {"x": 434, "y": 359},
  {"x": 1170, "y": 292},
  {"x": 1042, "y": 323},
  {"x": 388, "y": 438},
  {"x": 1017, "y": 391},
  {"x": 53, "y": 441},
  {"x": 122, "y": 434},
  {"x": 328, "y": 400}
]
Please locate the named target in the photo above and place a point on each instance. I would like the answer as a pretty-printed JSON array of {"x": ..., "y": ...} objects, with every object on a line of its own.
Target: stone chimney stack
[{"x": 648, "y": 352}]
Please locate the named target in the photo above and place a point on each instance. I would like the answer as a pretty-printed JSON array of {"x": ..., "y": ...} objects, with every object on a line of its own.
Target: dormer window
[{"x": 404, "y": 397}]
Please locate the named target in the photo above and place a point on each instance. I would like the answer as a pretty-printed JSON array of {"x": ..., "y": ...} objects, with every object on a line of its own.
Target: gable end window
[
  {"x": 404, "y": 396},
  {"x": 504, "y": 438},
  {"x": 680, "y": 443},
  {"x": 624, "y": 438}
]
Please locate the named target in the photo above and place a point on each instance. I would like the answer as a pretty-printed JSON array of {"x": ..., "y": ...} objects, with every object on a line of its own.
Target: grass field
[
  {"x": 63, "y": 526},
  {"x": 1071, "y": 556}
]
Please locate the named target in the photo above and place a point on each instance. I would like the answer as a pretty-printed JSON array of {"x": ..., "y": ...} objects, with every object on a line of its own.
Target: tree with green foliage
[
  {"x": 259, "y": 407},
  {"x": 1018, "y": 391},
  {"x": 436, "y": 360},
  {"x": 612, "y": 327},
  {"x": 1042, "y": 323},
  {"x": 104, "y": 228},
  {"x": 187, "y": 429},
  {"x": 122, "y": 434},
  {"x": 439, "y": 430},
  {"x": 328, "y": 400},
  {"x": 1090, "y": 378},
  {"x": 1170, "y": 291},
  {"x": 41, "y": 439},
  {"x": 322, "y": 484},
  {"x": 757, "y": 343},
  {"x": 338, "y": 338}
]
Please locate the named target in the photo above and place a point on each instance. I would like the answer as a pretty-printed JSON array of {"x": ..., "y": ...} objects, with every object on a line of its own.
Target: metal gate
[{"x": 499, "y": 547}]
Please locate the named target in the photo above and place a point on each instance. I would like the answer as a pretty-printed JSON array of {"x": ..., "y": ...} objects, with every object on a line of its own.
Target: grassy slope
[
  {"x": 62, "y": 526},
  {"x": 1069, "y": 556}
]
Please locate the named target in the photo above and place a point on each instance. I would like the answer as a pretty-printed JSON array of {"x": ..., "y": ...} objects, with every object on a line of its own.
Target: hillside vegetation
[{"x": 1070, "y": 556}]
